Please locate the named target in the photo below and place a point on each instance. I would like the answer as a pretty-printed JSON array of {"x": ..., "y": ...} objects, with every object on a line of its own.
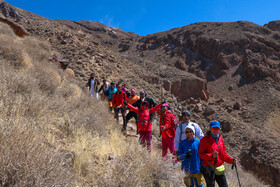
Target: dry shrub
[
  {"x": 118, "y": 163},
  {"x": 27, "y": 160}
]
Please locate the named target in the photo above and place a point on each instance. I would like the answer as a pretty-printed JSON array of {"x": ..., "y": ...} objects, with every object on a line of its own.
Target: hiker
[
  {"x": 212, "y": 151},
  {"x": 143, "y": 97},
  {"x": 92, "y": 84},
  {"x": 124, "y": 87},
  {"x": 131, "y": 100},
  {"x": 118, "y": 99},
  {"x": 125, "y": 90},
  {"x": 144, "y": 124},
  {"x": 110, "y": 93},
  {"x": 188, "y": 154},
  {"x": 180, "y": 135},
  {"x": 167, "y": 130},
  {"x": 103, "y": 88}
]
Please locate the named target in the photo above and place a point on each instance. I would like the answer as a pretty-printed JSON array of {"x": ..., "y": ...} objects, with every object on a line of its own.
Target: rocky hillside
[{"x": 222, "y": 71}]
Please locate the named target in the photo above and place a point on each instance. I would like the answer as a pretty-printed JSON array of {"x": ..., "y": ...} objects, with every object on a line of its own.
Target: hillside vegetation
[{"x": 53, "y": 134}]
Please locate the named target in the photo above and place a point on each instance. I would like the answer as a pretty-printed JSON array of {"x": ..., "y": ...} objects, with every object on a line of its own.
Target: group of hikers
[{"x": 201, "y": 155}]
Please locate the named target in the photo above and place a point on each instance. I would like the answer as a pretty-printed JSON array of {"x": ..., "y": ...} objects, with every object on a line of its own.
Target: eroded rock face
[
  {"x": 252, "y": 160},
  {"x": 18, "y": 30},
  {"x": 186, "y": 88}
]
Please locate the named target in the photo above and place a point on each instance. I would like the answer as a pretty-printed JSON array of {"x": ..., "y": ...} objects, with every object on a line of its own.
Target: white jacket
[{"x": 198, "y": 133}]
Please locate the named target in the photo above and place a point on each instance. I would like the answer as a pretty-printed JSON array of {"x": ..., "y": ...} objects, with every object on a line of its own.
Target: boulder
[
  {"x": 209, "y": 111},
  {"x": 186, "y": 88},
  {"x": 226, "y": 126},
  {"x": 236, "y": 106},
  {"x": 198, "y": 108}
]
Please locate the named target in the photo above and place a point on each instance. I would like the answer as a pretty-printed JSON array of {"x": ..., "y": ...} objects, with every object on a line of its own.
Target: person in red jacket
[
  {"x": 144, "y": 123},
  {"x": 118, "y": 99},
  {"x": 212, "y": 151},
  {"x": 167, "y": 131}
]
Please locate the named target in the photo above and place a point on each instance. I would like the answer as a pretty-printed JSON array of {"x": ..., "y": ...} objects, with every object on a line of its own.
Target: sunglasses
[
  {"x": 215, "y": 128},
  {"x": 188, "y": 132}
]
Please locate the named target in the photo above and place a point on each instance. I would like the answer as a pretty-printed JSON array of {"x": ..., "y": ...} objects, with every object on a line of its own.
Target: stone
[
  {"x": 236, "y": 106},
  {"x": 198, "y": 107},
  {"x": 192, "y": 100},
  {"x": 209, "y": 111},
  {"x": 226, "y": 126}
]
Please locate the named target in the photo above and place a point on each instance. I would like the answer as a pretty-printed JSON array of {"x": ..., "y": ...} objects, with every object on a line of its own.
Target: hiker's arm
[
  {"x": 198, "y": 132},
  {"x": 114, "y": 100},
  {"x": 100, "y": 89},
  {"x": 134, "y": 109},
  {"x": 227, "y": 158},
  {"x": 152, "y": 110},
  {"x": 153, "y": 103},
  {"x": 203, "y": 151},
  {"x": 167, "y": 122},
  {"x": 181, "y": 152},
  {"x": 177, "y": 137}
]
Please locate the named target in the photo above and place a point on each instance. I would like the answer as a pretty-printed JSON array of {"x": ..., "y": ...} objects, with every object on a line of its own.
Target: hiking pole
[
  {"x": 161, "y": 116},
  {"x": 215, "y": 163},
  {"x": 234, "y": 165},
  {"x": 189, "y": 155}
]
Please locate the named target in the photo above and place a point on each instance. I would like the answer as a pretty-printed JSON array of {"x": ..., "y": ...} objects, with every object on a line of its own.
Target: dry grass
[{"x": 52, "y": 134}]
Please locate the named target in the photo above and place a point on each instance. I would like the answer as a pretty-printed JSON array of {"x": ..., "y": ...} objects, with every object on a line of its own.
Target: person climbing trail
[
  {"x": 102, "y": 89},
  {"x": 191, "y": 162},
  {"x": 110, "y": 93},
  {"x": 125, "y": 90},
  {"x": 93, "y": 84},
  {"x": 131, "y": 114},
  {"x": 167, "y": 130},
  {"x": 180, "y": 135},
  {"x": 212, "y": 151},
  {"x": 144, "y": 124},
  {"x": 118, "y": 99},
  {"x": 151, "y": 102}
]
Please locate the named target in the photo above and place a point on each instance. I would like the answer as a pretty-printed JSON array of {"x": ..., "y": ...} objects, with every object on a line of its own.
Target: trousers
[
  {"x": 146, "y": 139},
  {"x": 208, "y": 176}
]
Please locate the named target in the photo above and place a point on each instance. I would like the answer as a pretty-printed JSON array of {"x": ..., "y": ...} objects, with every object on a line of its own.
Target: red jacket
[
  {"x": 144, "y": 123},
  {"x": 118, "y": 98},
  {"x": 169, "y": 131},
  {"x": 207, "y": 147}
]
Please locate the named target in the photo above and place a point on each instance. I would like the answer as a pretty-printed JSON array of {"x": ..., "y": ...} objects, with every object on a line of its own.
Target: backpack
[{"x": 174, "y": 122}]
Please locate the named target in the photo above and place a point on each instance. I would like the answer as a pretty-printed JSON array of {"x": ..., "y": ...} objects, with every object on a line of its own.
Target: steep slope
[
  {"x": 54, "y": 134},
  {"x": 237, "y": 63}
]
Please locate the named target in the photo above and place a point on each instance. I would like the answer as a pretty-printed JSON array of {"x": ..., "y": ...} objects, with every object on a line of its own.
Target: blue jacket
[
  {"x": 196, "y": 162},
  {"x": 110, "y": 92}
]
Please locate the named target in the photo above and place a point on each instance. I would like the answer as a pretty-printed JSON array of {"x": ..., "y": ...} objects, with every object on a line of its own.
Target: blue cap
[{"x": 215, "y": 124}]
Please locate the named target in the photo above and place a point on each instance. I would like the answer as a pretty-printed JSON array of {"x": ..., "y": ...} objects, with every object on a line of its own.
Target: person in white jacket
[{"x": 180, "y": 135}]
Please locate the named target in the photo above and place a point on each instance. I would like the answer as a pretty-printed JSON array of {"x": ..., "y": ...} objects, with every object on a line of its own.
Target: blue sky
[{"x": 149, "y": 16}]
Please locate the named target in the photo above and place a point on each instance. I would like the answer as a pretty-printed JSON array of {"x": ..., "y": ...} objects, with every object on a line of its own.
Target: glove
[
  {"x": 189, "y": 155},
  {"x": 125, "y": 103}
]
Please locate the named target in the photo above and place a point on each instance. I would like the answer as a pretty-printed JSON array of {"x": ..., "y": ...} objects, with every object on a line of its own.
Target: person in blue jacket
[
  {"x": 110, "y": 93},
  {"x": 188, "y": 154}
]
